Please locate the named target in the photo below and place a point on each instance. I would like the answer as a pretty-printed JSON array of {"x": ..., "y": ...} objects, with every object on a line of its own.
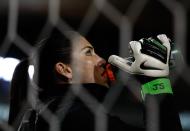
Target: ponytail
[{"x": 18, "y": 93}]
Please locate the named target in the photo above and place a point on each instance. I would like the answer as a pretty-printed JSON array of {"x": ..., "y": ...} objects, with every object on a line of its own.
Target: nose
[{"x": 100, "y": 61}]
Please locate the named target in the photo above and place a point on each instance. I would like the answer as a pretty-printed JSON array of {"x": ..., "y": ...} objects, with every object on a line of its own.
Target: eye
[{"x": 89, "y": 52}]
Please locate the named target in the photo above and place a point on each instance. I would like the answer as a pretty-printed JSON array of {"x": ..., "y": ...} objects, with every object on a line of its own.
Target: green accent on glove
[
  {"x": 158, "y": 86},
  {"x": 159, "y": 44}
]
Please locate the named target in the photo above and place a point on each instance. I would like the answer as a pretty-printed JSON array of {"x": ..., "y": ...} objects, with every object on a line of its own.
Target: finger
[
  {"x": 155, "y": 44},
  {"x": 152, "y": 63},
  {"x": 164, "y": 39},
  {"x": 166, "y": 42},
  {"x": 120, "y": 63},
  {"x": 156, "y": 73},
  {"x": 154, "y": 48},
  {"x": 136, "y": 47}
]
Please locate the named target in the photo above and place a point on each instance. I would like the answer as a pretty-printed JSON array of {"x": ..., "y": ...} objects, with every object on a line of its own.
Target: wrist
[{"x": 156, "y": 86}]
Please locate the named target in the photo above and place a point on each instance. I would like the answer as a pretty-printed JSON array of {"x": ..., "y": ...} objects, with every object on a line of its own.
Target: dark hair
[
  {"x": 57, "y": 47},
  {"x": 18, "y": 93}
]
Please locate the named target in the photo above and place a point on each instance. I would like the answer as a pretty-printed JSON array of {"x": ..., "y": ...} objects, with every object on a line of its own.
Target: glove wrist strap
[{"x": 158, "y": 86}]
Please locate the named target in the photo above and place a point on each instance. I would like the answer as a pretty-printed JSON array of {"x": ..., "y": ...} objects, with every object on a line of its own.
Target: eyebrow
[{"x": 87, "y": 47}]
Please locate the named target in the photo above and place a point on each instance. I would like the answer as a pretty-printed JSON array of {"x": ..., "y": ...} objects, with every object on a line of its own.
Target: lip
[
  {"x": 102, "y": 69},
  {"x": 103, "y": 72}
]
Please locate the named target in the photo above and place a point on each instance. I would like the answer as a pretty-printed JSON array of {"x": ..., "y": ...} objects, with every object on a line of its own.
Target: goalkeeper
[{"x": 73, "y": 82}]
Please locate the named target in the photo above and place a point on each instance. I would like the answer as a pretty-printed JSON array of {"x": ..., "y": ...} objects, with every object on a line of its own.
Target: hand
[
  {"x": 152, "y": 61},
  {"x": 150, "y": 57},
  {"x": 149, "y": 62}
]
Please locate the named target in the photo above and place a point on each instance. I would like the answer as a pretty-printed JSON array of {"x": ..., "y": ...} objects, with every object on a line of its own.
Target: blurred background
[{"x": 108, "y": 24}]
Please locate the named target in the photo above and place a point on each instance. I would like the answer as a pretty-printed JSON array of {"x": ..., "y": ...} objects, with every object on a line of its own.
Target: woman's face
[{"x": 86, "y": 64}]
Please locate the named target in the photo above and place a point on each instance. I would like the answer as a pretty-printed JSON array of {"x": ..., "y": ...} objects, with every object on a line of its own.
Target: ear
[{"x": 63, "y": 70}]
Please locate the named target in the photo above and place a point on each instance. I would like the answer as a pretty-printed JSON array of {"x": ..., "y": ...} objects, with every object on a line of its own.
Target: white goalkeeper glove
[{"x": 150, "y": 57}]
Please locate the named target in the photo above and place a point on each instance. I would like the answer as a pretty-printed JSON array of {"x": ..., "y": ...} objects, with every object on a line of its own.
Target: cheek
[
  {"x": 87, "y": 73},
  {"x": 88, "y": 66},
  {"x": 86, "y": 70}
]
